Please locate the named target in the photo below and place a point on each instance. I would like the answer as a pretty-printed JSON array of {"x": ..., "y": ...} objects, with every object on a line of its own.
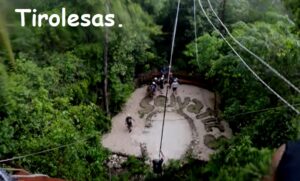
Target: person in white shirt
[{"x": 175, "y": 85}]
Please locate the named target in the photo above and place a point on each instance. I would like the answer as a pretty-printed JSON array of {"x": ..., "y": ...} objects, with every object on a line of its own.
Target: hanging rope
[
  {"x": 253, "y": 54},
  {"x": 169, "y": 72},
  {"x": 246, "y": 65},
  {"x": 44, "y": 151}
]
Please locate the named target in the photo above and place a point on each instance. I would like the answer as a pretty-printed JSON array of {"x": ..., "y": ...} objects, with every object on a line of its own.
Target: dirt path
[{"x": 190, "y": 125}]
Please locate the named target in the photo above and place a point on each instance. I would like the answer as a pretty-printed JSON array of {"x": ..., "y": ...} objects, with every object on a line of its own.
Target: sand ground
[{"x": 180, "y": 135}]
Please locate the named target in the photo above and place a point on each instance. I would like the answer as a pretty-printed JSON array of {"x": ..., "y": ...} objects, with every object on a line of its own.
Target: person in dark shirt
[
  {"x": 164, "y": 71},
  {"x": 286, "y": 163},
  {"x": 171, "y": 78},
  {"x": 155, "y": 80},
  {"x": 157, "y": 164},
  {"x": 129, "y": 121},
  {"x": 153, "y": 87},
  {"x": 161, "y": 82}
]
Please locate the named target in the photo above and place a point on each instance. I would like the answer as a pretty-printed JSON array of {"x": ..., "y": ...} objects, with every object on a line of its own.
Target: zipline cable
[
  {"x": 260, "y": 111},
  {"x": 250, "y": 52},
  {"x": 169, "y": 72},
  {"x": 246, "y": 65},
  {"x": 43, "y": 151}
]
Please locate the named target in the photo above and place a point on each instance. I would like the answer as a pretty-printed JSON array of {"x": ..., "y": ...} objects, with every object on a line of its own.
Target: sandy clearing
[
  {"x": 176, "y": 139},
  {"x": 179, "y": 132}
]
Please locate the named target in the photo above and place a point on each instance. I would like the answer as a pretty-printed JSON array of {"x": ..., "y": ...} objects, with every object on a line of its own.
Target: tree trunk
[
  {"x": 223, "y": 11},
  {"x": 105, "y": 92},
  {"x": 5, "y": 41}
]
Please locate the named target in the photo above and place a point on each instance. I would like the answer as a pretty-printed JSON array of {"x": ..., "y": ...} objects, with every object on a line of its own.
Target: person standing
[
  {"x": 164, "y": 70},
  {"x": 175, "y": 86},
  {"x": 155, "y": 80},
  {"x": 161, "y": 83},
  {"x": 157, "y": 165},
  {"x": 154, "y": 87},
  {"x": 171, "y": 79},
  {"x": 129, "y": 121}
]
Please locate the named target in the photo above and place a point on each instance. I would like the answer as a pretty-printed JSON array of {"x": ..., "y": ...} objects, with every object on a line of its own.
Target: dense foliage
[
  {"x": 53, "y": 96},
  {"x": 52, "y": 79},
  {"x": 245, "y": 101},
  {"x": 293, "y": 6}
]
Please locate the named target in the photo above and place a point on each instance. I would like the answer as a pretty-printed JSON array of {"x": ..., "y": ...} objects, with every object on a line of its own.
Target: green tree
[
  {"x": 239, "y": 160},
  {"x": 293, "y": 6}
]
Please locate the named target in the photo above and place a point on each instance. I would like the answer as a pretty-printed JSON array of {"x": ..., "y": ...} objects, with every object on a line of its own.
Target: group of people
[{"x": 158, "y": 84}]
